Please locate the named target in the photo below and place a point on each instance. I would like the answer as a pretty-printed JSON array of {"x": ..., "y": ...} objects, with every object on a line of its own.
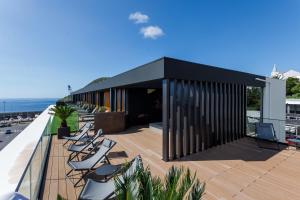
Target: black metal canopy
[{"x": 152, "y": 73}]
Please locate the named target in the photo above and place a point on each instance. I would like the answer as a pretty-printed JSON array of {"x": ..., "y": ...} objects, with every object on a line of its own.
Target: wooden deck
[{"x": 238, "y": 170}]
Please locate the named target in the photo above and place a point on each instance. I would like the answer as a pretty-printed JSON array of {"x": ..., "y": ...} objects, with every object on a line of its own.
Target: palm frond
[
  {"x": 197, "y": 190},
  {"x": 178, "y": 184},
  {"x": 186, "y": 183},
  {"x": 63, "y": 111},
  {"x": 171, "y": 182}
]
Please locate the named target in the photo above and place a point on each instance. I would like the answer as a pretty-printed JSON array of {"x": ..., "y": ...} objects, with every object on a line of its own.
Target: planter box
[
  {"x": 63, "y": 131},
  {"x": 110, "y": 122}
]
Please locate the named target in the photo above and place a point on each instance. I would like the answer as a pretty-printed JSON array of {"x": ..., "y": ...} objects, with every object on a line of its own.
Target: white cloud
[
  {"x": 152, "y": 32},
  {"x": 138, "y": 17}
]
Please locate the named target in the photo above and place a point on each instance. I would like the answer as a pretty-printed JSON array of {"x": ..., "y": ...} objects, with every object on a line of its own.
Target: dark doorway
[{"x": 144, "y": 106}]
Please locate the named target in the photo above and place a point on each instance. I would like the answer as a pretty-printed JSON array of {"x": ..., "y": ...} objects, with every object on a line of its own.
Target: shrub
[
  {"x": 102, "y": 109},
  {"x": 178, "y": 184}
]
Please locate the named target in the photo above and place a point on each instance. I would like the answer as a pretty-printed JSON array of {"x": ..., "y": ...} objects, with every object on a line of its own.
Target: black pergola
[{"x": 202, "y": 106}]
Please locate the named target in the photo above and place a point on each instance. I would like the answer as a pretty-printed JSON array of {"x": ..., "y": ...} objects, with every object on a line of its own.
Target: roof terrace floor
[{"x": 237, "y": 170}]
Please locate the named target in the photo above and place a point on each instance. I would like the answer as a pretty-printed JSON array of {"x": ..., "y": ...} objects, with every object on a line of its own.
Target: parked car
[{"x": 8, "y": 131}]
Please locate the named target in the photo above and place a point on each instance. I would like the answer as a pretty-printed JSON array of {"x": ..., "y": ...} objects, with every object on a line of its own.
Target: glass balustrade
[{"x": 32, "y": 178}]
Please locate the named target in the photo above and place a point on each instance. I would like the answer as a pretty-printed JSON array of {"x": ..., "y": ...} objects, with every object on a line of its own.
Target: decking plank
[{"x": 237, "y": 170}]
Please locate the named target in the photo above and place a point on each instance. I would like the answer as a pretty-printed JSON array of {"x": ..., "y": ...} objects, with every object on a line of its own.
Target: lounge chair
[
  {"x": 89, "y": 114},
  {"x": 91, "y": 159},
  {"x": 94, "y": 190},
  {"x": 83, "y": 135},
  {"x": 87, "y": 124},
  {"x": 266, "y": 132},
  {"x": 87, "y": 118},
  {"x": 81, "y": 148}
]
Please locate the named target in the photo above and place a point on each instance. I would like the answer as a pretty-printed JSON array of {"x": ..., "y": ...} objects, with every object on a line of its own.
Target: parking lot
[{"x": 15, "y": 130}]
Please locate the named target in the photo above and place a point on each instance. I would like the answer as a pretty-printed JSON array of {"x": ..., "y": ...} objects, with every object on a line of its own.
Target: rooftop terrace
[{"x": 237, "y": 170}]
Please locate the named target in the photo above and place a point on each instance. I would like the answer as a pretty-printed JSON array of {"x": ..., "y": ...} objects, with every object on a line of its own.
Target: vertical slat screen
[
  {"x": 172, "y": 119},
  {"x": 179, "y": 137},
  {"x": 166, "y": 110},
  {"x": 198, "y": 115}
]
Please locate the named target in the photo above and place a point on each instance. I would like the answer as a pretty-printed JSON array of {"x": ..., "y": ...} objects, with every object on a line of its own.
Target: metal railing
[{"x": 280, "y": 127}]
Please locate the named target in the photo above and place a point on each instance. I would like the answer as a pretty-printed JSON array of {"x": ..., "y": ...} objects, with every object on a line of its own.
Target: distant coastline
[{"x": 10, "y": 105}]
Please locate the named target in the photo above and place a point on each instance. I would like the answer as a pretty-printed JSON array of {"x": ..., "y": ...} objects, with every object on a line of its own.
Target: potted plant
[{"x": 63, "y": 112}]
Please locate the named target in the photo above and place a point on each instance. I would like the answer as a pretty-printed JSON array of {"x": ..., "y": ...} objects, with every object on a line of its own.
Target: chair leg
[
  {"x": 69, "y": 173},
  {"x": 65, "y": 142},
  {"x": 70, "y": 156},
  {"x": 81, "y": 178},
  {"x": 68, "y": 177},
  {"x": 107, "y": 159}
]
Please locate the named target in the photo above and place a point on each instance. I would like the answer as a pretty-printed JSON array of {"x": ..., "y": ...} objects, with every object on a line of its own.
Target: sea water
[{"x": 25, "y": 105}]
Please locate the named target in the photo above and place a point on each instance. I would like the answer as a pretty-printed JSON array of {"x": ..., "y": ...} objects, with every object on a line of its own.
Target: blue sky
[{"x": 46, "y": 45}]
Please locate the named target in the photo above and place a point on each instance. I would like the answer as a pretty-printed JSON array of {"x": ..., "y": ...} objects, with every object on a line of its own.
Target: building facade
[{"x": 200, "y": 106}]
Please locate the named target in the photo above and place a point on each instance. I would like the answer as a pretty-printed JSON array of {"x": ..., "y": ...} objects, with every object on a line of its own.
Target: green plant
[
  {"x": 59, "y": 197},
  {"x": 290, "y": 84},
  {"x": 102, "y": 109},
  {"x": 253, "y": 98},
  {"x": 296, "y": 96},
  {"x": 178, "y": 184},
  {"x": 296, "y": 89},
  {"x": 63, "y": 112}
]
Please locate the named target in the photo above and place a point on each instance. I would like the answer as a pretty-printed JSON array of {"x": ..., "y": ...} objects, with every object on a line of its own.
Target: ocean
[{"x": 25, "y": 105}]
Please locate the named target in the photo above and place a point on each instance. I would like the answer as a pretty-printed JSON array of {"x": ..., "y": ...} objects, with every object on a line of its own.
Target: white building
[
  {"x": 293, "y": 106},
  {"x": 285, "y": 75}
]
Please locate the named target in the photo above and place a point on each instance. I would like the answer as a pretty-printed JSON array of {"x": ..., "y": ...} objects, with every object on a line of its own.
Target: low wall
[
  {"x": 23, "y": 159},
  {"x": 110, "y": 122}
]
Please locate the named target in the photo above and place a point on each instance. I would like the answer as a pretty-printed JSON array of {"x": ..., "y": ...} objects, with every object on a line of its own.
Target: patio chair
[
  {"x": 89, "y": 114},
  {"x": 87, "y": 118},
  {"x": 86, "y": 124},
  {"x": 81, "y": 148},
  {"x": 104, "y": 190},
  {"x": 266, "y": 132},
  {"x": 85, "y": 166},
  {"x": 83, "y": 135}
]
